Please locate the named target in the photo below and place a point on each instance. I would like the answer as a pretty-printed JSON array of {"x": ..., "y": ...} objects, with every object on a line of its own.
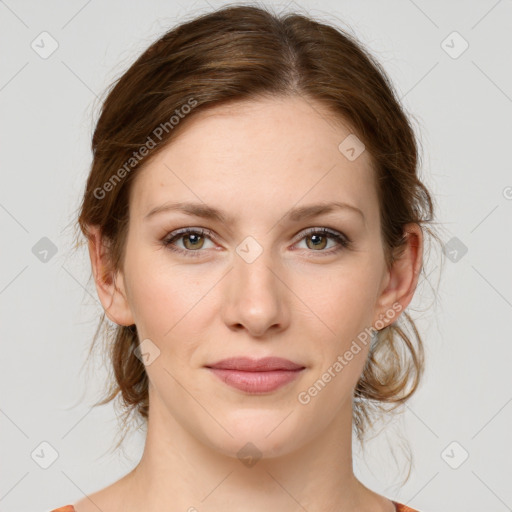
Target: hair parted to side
[{"x": 243, "y": 53}]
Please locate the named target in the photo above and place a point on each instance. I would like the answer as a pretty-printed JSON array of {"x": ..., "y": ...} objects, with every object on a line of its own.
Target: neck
[{"x": 178, "y": 471}]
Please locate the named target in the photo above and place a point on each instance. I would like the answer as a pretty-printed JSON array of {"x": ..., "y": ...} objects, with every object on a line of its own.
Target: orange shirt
[{"x": 398, "y": 506}]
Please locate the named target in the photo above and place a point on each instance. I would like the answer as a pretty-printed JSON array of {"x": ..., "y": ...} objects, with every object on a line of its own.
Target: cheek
[
  {"x": 155, "y": 293},
  {"x": 156, "y": 303},
  {"x": 344, "y": 301},
  {"x": 346, "y": 306},
  {"x": 168, "y": 301}
]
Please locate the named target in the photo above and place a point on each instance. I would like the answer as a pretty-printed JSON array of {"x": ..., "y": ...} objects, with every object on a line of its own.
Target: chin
[{"x": 258, "y": 434}]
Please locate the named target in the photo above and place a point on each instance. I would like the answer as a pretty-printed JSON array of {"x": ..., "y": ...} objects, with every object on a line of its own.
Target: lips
[
  {"x": 256, "y": 375},
  {"x": 247, "y": 364}
]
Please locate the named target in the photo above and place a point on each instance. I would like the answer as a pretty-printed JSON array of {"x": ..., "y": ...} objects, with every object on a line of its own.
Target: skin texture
[{"x": 255, "y": 161}]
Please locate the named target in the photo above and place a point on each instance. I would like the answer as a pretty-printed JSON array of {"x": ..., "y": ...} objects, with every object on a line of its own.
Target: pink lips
[{"x": 256, "y": 375}]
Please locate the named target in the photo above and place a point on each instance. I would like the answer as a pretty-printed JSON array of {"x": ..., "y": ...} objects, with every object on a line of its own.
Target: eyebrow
[{"x": 208, "y": 212}]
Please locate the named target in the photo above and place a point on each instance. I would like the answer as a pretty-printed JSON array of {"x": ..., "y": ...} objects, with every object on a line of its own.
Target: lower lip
[{"x": 256, "y": 382}]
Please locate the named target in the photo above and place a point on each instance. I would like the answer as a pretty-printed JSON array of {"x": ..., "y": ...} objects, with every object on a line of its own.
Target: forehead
[{"x": 258, "y": 154}]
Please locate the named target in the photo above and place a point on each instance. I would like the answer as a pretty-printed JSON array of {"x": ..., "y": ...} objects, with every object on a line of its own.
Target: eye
[
  {"x": 317, "y": 238},
  {"x": 193, "y": 240}
]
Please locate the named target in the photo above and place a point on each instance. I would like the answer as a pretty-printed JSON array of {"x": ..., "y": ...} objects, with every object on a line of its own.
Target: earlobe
[
  {"x": 109, "y": 283},
  {"x": 402, "y": 278}
]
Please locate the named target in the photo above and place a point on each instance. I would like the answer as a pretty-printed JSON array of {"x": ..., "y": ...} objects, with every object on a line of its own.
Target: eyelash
[{"x": 342, "y": 241}]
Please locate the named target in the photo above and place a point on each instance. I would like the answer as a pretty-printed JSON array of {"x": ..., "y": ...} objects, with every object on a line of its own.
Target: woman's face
[{"x": 257, "y": 284}]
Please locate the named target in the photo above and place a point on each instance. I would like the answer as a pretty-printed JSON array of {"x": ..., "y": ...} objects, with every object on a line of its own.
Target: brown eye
[
  {"x": 190, "y": 240},
  {"x": 193, "y": 241},
  {"x": 318, "y": 241}
]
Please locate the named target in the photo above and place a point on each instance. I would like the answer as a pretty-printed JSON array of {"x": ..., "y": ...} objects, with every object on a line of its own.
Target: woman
[{"x": 255, "y": 224}]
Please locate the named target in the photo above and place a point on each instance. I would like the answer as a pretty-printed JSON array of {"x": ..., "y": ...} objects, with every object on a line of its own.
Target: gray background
[{"x": 463, "y": 107}]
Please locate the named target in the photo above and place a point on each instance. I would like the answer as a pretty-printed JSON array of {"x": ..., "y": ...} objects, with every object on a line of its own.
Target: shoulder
[
  {"x": 401, "y": 508},
  {"x": 398, "y": 506}
]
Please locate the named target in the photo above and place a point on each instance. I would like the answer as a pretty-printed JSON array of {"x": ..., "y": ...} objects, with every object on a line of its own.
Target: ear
[
  {"x": 109, "y": 284},
  {"x": 401, "y": 280}
]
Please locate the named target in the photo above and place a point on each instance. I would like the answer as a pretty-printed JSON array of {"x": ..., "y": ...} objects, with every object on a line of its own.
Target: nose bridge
[
  {"x": 257, "y": 274},
  {"x": 255, "y": 299}
]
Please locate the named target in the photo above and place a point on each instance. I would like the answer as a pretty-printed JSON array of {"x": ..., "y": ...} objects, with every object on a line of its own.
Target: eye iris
[
  {"x": 196, "y": 238},
  {"x": 316, "y": 244}
]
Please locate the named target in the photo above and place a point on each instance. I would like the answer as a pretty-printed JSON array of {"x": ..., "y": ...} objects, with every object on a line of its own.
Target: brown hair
[{"x": 245, "y": 52}]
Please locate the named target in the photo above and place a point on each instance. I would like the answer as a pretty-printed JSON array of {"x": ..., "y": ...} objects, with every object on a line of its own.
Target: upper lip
[{"x": 247, "y": 364}]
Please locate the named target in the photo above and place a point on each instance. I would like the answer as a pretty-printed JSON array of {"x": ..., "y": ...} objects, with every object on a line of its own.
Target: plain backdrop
[{"x": 450, "y": 62}]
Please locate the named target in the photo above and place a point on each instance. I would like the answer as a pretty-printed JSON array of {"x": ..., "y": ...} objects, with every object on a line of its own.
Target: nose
[{"x": 256, "y": 298}]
